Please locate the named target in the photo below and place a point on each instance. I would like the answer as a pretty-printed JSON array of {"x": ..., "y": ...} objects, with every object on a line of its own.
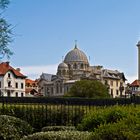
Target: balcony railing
[
  {"x": 9, "y": 88},
  {"x": 9, "y": 78}
]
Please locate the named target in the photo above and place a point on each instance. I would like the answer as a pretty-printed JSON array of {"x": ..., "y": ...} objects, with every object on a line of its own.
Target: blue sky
[{"x": 45, "y": 30}]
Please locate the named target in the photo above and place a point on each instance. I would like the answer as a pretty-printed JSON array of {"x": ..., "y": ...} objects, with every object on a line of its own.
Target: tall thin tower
[{"x": 138, "y": 45}]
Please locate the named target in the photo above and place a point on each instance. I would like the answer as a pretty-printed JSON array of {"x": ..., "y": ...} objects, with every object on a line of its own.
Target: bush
[
  {"x": 12, "y": 128},
  {"x": 57, "y": 128},
  {"x": 102, "y": 116},
  {"x": 59, "y": 135},
  {"x": 39, "y": 116},
  {"x": 126, "y": 129}
]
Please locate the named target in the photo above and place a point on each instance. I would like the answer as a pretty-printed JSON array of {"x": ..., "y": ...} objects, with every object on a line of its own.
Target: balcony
[
  {"x": 9, "y": 79},
  {"x": 10, "y": 88}
]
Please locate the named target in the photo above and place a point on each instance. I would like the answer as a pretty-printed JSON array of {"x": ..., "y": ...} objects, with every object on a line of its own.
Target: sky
[{"x": 44, "y": 31}]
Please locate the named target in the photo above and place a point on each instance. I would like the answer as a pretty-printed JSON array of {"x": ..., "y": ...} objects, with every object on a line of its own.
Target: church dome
[
  {"x": 76, "y": 55},
  {"x": 62, "y": 66}
]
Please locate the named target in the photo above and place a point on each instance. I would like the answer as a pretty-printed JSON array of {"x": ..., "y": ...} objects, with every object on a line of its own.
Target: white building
[{"x": 12, "y": 81}]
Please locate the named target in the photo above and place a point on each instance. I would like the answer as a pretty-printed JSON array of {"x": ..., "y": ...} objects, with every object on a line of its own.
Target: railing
[
  {"x": 42, "y": 111},
  {"x": 70, "y": 101}
]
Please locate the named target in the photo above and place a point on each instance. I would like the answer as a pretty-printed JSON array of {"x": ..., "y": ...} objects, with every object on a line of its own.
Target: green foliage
[
  {"x": 113, "y": 123},
  {"x": 41, "y": 116},
  {"x": 4, "y": 3},
  {"x": 88, "y": 88},
  {"x": 12, "y": 128},
  {"x": 58, "y": 128},
  {"x": 5, "y": 33},
  {"x": 59, "y": 135},
  {"x": 125, "y": 129},
  {"x": 5, "y": 37},
  {"x": 102, "y": 116}
]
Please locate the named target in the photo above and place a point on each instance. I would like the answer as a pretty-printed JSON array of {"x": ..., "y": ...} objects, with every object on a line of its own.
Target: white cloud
[{"x": 34, "y": 72}]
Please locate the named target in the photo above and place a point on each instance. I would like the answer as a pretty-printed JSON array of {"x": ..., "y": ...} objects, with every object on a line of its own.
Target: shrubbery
[
  {"x": 105, "y": 123},
  {"x": 113, "y": 123},
  {"x": 102, "y": 116},
  {"x": 41, "y": 116},
  {"x": 126, "y": 129},
  {"x": 58, "y": 128},
  {"x": 12, "y": 128},
  {"x": 59, "y": 135}
]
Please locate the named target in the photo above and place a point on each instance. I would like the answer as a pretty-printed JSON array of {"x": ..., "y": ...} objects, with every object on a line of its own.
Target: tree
[
  {"x": 5, "y": 32},
  {"x": 4, "y": 3},
  {"x": 88, "y": 88}
]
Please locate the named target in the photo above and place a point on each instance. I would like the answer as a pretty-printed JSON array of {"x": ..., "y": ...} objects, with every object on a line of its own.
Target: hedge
[
  {"x": 59, "y": 135},
  {"x": 126, "y": 129},
  {"x": 39, "y": 116},
  {"x": 106, "y": 115},
  {"x": 58, "y": 128},
  {"x": 12, "y": 128}
]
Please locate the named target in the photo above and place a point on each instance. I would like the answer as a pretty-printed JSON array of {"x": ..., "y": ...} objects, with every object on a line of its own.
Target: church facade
[{"x": 75, "y": 67}]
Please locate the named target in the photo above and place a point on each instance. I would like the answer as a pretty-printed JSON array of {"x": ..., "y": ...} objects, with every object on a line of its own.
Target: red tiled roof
[
  {"x": 31, "y": 82},
  {"x": 135, "y": 83},
  {"x": 5, "y": 67},
  {"x": 28, "y": 90}
]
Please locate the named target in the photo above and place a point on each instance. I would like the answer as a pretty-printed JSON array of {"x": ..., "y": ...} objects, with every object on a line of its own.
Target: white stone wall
[{"x": 12, "y": 89}]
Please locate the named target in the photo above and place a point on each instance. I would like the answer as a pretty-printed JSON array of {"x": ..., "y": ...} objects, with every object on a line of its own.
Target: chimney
[
  {"x": 7, "y": 63},
  {"x": 18, "y": 69}
]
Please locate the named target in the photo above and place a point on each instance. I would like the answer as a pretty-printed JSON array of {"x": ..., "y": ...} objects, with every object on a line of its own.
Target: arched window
[
  {"x": 8, "y": 93},
  {"x": 16, "y": 94},
  {"x": 82, "y": 66},
  {"x": 75, "y": 66},
  {"x": 59, "y": 72},
  {"x": 51, "y": 90},
  {"x": 22, "y": 94},
  {"x": 64, "y": 72},
  {"x": 69, "y": 66},
  {"x": 60, "y": 88},
  {"x": 57, "y": 88}
]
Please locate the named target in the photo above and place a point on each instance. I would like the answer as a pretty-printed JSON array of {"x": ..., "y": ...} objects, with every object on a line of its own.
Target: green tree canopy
[
  {"x": 88, "y": 88},
  {"x": 5, "y": 32},
  {"x": 4, "y": 3}
]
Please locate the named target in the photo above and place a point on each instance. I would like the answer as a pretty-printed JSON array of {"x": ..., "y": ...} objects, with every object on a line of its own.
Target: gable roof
[
  {"x": 29, "y": 82},
  {"x": 113, "y": 74},
  {"x": 5, "y": 67},
  {"x": 48, "y": 77},
  {"x": 135, "y": 83}
]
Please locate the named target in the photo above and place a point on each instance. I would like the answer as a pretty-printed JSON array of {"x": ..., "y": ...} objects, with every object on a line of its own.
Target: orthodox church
[{"x": 74, "y": 67}]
